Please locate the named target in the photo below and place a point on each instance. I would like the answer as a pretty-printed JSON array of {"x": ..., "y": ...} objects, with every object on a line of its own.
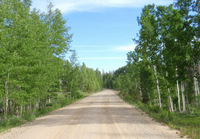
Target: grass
[
  {"x": 187, "y": 124},
  {"x": 61, "y": 101}
]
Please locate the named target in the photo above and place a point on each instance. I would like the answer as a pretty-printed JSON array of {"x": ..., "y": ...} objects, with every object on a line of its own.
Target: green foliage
[
  {"x": 187, "y": 124},
  {"x": 107, "y": 80},
  {"x": 90, "y": 80},
  {"x": 162, "y": 74},
  {"x": 33, "y": 47},
  {"x": 164, "y": 67}
]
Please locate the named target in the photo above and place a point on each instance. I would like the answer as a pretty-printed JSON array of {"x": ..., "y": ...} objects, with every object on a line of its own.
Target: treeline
[
  {"x": 163, "y": 71},
  {"x": 33, "y": 70}
]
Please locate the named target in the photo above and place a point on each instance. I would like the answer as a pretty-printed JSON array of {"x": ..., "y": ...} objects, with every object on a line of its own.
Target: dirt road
[{"x": 100, "y": 116}]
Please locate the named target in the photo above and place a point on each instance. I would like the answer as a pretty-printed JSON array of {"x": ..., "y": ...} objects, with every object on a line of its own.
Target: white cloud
[
  {"x": 101, "y": 58},
  {"x": 126, "y": 48},
  {"x": 67, "y": 6},
  {"x": 103, "y": 49}
]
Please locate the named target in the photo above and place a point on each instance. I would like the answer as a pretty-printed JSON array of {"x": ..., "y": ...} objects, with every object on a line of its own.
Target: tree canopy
[
  {"x": 33, "y": 67},
  {"x": 163, "y": 70}
]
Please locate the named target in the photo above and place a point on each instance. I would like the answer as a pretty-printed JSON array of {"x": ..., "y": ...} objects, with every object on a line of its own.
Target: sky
[{"x": 103, "y": 30}]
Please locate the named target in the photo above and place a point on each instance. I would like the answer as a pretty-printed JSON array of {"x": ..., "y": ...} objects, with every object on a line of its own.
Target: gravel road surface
[{"x": 100, "y": 116}]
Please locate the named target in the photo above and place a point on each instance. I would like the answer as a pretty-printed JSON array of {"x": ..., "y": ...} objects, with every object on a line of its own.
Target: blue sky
[{"x": 102, "y": 29}]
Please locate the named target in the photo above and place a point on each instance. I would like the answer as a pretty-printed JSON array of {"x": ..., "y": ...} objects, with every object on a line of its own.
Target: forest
[
  {"x": 40, "y": 71},
  {"x": 162, "y": 74},
  {"x": 35, "y": 75}
]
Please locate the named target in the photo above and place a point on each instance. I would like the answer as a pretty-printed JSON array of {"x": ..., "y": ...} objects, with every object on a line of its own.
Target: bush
[
  {"x": 170, "y": 116},
  {"x": 63, "y": 102},
  {"x": 3, "y": 123},
  {"x": 29, "y": 116},
  {"x": 16, "y": 120},
  {"x": 43, "y": 111},
  {"x": 154, "y": 109},
  {"x": 76, "y": 94},
  {"x": 49, "y": 105},
  {"x": 56, "y": 106}
]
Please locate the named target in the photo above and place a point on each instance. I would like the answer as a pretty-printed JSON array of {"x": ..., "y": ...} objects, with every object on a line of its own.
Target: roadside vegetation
[
  {"x": 188, "y": 124},
  {"x": 58, "y": 101},
  {"x": 162, "y": 74},
  {"x": 35, "y": 77}
]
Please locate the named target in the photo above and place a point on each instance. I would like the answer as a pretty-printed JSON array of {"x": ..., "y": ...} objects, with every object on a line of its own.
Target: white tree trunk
[
  {"x": 196, "y": 91},
  {"x": 49, "y": 100},
  {"x": 183, "y": 97},
  {"x": 17, "y": 111},
  {"x": 21, "y": 110},
  {"x": 149, "y": 99},
  {"x": 158, "y": 88},
  {"x": 198, "y": 87},
  {"x": 6, "y": 100},
  {"x": 6, "y": 96},
  {"x": 30, "y": 106},
  {"x": 198, "y": 69},
  {"x": 170, "y": 101},
  {"x": 179, "y": 99},
  {"x": 140, "y": 91}
]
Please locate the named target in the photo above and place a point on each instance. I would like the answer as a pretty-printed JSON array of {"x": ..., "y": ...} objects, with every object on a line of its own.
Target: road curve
[{"x": 100, "y": 116}]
